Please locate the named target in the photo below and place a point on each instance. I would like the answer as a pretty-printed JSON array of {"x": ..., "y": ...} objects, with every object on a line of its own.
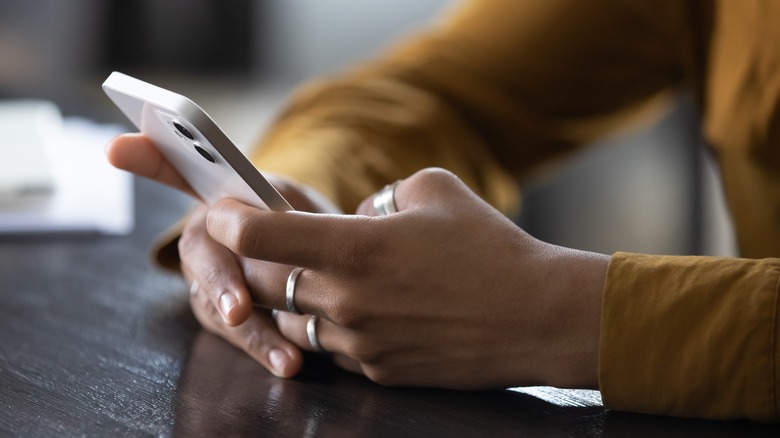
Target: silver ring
[
  {"x": 194, "y": 288},
  {"x": 384, "y": 201},
  {"x": 291, "y": 291},
  {"x": 311, "y": 332}
]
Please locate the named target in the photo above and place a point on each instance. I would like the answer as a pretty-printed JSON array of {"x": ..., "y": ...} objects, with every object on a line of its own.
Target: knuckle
[
  {"x": 244, "y": 237},
  {"x": 251, "y": 341},
  {"x": 238, "y": 234},
  {"x": 380, "y": 375},
  {"x": 364, "y": 351},
  {"x": 347, "y": 315},
  {"x": 436, "y": 176},
  {"x": 209, "y": 276},
  {"x": 232, "y": 229},
  {"x": 211, "y": 281},
  {"x": 357, "y": 255},
  {"x": 186, "y": 242},
  {"x": 435, "y": 186},
  {"x": 349, "y": 307}
]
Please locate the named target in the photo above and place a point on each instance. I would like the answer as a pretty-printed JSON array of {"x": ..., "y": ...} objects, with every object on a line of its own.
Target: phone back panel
[{"x": 204, "y": 156}]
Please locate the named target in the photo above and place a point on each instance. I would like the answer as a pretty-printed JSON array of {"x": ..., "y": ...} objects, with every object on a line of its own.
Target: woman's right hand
[{"x": 220, "y": 297}]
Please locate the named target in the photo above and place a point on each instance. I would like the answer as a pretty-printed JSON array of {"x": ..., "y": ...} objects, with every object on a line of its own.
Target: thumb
[{"x": 315, "y": 241}]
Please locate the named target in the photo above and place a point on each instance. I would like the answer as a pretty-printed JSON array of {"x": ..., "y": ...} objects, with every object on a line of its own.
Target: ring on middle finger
[
  {"x": 311, "y": 333},
  {"x": 290, "y": 291}
]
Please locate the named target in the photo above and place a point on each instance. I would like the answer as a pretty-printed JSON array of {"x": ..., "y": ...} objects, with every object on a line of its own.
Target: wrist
[{"x": 578, "y": 296}]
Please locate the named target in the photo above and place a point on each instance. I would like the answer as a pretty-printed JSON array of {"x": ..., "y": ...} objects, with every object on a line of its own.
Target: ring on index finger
[
  {"x": 384, "y": 201},
  {"x": 290, "y": 292}
]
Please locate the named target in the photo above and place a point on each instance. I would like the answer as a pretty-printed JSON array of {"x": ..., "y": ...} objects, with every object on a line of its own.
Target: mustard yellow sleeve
[
  {"x": 691, "y": 337},
  {"x": 492, "y": 91}
]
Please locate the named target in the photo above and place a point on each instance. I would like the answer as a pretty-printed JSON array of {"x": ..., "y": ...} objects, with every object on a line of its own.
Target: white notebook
[
  {"x": 60, "y": 181},
  {"x": 27, "y": 130}
]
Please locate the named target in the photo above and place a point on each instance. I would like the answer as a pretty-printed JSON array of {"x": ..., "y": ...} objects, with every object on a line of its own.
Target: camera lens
[
  {"x": 203, "y": 153},
  {"x": 183, "y": 130}
]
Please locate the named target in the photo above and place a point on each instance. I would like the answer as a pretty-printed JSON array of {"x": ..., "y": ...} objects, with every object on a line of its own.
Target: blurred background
[{"x": 653, "y": 191}]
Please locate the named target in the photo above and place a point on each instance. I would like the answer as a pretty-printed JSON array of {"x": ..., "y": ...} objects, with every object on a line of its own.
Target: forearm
[
  {"x": 473, "y": 95},
  {"x": 349, "y": 137}
]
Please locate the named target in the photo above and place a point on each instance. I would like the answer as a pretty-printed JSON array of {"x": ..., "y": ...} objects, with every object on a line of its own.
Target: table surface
[{"x": 97, "y": 341}]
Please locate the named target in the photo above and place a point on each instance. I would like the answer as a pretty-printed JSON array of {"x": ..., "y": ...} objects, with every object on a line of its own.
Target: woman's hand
[
  {"x": 447, "y": 292},
  {"x": 220, "y": 298}
]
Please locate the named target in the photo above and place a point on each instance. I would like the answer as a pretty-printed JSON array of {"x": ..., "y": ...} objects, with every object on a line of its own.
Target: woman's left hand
[{"x": 447, "y": 292}]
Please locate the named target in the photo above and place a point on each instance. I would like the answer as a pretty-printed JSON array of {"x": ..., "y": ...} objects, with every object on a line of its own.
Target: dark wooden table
[{"x": 96, "y": 341}]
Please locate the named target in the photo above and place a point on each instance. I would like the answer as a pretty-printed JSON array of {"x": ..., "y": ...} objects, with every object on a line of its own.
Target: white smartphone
[{"x": 190, "y": 140}]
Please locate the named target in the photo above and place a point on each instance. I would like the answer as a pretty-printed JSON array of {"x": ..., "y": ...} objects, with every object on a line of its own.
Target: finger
[
  {"x": 257, "y": 336},
  {"x": 366, "y": 207},
  {"x": 216, "y": 270},
  {"x": 137, "y": 154},
  {"x": 381, "y": 203},
  {"x": 295, "y": 328},
  {"x": 317, "y": 241},
  {"x": 270, "y": 283},
  {"x": 348, "y": 364},
  {"x": 430, "y": 187},
  {"x": 331, "y": 338},
  {"x": 433, "y": 188}
]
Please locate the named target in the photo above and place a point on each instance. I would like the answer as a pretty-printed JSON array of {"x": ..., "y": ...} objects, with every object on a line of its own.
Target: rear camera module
[
  {"x": 204, "y": 153},
  {"x": 184, "y": 131}
]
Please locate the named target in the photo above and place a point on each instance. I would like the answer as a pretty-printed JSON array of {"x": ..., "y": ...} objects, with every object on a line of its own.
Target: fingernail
[
  {"x": 227, "y": 301},
  {"x": 278, "y": 359}
]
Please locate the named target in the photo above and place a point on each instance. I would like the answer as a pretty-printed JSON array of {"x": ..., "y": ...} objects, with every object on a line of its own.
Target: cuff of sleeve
[
  {"x": 318, "y": 159},
  {"x": 690, "y": 336},
  {"x": 165, "y": 248}
]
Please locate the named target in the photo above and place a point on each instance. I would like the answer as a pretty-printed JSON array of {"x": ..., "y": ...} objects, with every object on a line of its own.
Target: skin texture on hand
[{"x": 447, "y": 292}]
